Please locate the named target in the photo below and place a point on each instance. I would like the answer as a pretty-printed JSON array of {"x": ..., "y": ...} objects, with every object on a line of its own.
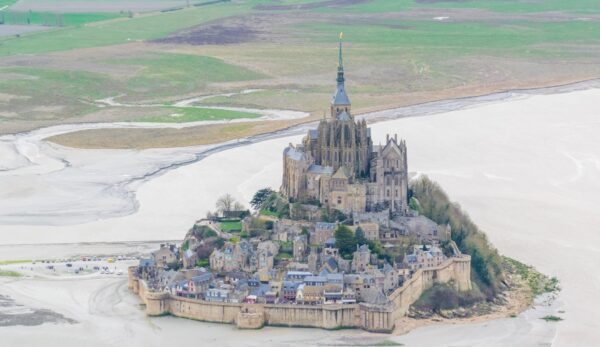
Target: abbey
[{"x": 338, "y": 165}]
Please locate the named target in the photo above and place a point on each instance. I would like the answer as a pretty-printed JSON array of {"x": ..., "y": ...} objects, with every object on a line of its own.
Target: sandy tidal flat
[{"x": 526, "y": 169}]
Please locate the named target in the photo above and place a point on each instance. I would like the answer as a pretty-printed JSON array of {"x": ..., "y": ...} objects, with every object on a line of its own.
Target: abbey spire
[{"x": 340, "y": 102}]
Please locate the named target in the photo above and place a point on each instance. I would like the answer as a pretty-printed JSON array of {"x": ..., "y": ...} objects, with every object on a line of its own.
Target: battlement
[{"x": 374, "y": 318}]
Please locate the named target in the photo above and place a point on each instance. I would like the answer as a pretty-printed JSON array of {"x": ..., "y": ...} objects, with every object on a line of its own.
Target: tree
[
  {"x": 486, "y": 263},
  {"x": 305, "y": 232},
  {"x": 414, "y": 204},
  {"x": 225, "y": 203},
  {"x": 237, "y": 206},
  {"x": 344, "y": 240},
  {"x": 359, "y": 235},
  {"x": 260, "y": 197}
]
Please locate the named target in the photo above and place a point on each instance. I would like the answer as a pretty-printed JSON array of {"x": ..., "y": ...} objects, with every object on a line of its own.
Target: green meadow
[
  {"x": 167, "y": 74},
  {"x": 507, "y": 6},
  {"x": 397, "y": 53},
  {"x": 189, "y": 114},
  {"x": 113, "y": 32}
]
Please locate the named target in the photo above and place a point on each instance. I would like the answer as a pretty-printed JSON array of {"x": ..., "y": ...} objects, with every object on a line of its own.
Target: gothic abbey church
[{"x": 338, "y": 165}]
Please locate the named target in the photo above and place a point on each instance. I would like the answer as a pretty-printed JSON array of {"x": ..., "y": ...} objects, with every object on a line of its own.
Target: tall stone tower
[
  {"x": 339, "y": 140},
  {"x": 340, "y": 101}
]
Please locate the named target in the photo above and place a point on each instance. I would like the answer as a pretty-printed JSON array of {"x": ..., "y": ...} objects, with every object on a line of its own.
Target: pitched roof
[
  {"x": 376, "y": 297},
  {"x": 202, "y": 278},
  {"x": 325, "y": 225},
  {"x": 340, "y": 97},
  {"x": 294, "y": 153},
  {"x": 341, "y": 173},
  {"x": 146, "y": 262},
  {"x": 315, "y": 279}
]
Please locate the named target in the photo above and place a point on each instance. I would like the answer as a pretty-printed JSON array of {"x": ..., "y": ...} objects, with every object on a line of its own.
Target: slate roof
[
  {"x": 330, "y": 242},
  {"x": 376, "y": 297},
  {"x": 340, "y": 97},
  {"x": 363, "y": 248},
  {"x": 289, "y": 285},
  {"x": 341, "y": 173},
  {"x": 147, "y": 262},
  {"x": 335, "y": 278},
  {"x": 294, "y": 153},
  {"x": 333, "y": 264},
  {"x": 315, "y": 279},
  {"x": 325, "y": 225},
  {"x": 205, "y": 277}
]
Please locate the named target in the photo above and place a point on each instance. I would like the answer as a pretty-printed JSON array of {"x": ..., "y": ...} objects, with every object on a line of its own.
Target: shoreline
[
  {"x": 117, "y": 196},
  {"x": 534, "y": 163},
  {"x": 372, "y": 115},
  {"x": 518, "y": 301}
]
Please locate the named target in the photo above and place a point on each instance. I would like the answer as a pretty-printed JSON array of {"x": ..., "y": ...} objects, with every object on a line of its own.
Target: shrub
[
  {"x": 486, "y": 263},
  {"x": 345, "y": 241}
]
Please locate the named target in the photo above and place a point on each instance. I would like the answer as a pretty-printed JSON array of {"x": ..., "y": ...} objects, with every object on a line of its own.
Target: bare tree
[
  {"x": 238, "y": 206},
  {"x": 225, "y": 203}
]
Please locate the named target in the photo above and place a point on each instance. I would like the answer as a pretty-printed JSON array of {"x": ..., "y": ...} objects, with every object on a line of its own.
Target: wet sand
[{"x": 526, "y": 168}]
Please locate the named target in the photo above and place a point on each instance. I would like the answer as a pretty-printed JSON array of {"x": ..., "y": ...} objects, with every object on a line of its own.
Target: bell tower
[{"x": 340, "y": 101}]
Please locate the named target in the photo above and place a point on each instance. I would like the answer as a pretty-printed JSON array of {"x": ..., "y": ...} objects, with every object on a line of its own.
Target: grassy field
[
  {"x": 144, "y": 27},
  {"x": 165, "y": 74},
  {"x": 397, "y": 53},
  {"x": 6, "y": 3},
  {"x": 183, "y": 115},
  {"x": 9, "y": 262},
  {"x": 228, "y": 226},
  {"x": 54, "y": 19},
  {"x": 6, "y": 273},
  {"x": 512, "y": 6}
]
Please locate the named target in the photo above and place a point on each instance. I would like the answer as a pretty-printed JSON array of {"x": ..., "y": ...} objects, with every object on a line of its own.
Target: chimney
[
  {"x": 396, "y": 138},
  {"x": 387, "y": 138}
]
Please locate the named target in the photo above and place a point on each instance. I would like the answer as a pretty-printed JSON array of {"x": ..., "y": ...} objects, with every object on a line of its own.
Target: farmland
[{"x": 398, "y": 53}]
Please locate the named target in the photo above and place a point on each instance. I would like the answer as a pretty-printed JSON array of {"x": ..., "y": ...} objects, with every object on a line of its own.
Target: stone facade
[
  {"x": 370, "y": 317},
  {"x": 337, "y": 164}
]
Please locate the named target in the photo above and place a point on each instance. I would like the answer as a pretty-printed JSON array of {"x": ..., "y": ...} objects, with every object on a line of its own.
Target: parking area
[{"x": 85, "y": 266}]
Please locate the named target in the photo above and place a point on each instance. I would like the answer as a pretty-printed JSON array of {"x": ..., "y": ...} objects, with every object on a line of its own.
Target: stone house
[
  {"x": 197, "y": 285},
  {"x": 424, "y": 257},
  {"x": 309, "y": 295},
  {"x": 333, "y": 293},
  {"x": 299, "y": 246},
  {"x": 233, "y": 257},
  {"x": 189, "y": 258},
  {"x": 217, "y": 295},
  {"x": 166, "y": 255},
  {"x": 323, "y": 231},
  {"x": 288, "y": 291},
  {"x": 361, "y": 259},
  {"x": 371, "y": 230},
  {"x": 297, "y": 276},
  {"x": 315, "y": 281}
]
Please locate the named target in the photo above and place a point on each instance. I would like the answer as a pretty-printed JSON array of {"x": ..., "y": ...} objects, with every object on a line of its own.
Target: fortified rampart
[{"x": 331, "y": 316}]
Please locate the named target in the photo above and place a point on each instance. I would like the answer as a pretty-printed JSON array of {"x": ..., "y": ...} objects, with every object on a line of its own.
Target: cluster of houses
[{"x": 311, "y": 273}]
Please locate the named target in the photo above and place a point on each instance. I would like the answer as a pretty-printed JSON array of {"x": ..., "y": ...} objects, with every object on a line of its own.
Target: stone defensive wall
[{"x": 330, "y": 316}]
